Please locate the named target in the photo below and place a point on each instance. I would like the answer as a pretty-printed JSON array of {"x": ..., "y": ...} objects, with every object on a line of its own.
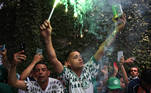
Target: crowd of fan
[{"x": 74, "y": 76}]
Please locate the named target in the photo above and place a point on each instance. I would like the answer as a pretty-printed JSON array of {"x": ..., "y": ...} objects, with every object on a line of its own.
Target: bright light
[
  {"x": 66, "y": 10},
  {"x": 75, "y": 15},
  {"x": 56, "y": 2}
]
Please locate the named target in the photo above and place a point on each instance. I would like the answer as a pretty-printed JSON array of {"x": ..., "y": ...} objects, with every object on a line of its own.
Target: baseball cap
[{"x": 113, "y": 83}]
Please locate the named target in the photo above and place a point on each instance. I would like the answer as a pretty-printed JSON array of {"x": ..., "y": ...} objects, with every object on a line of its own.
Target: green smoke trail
[
  {"x": 80, "y": 8},
  {"x": 90, "y": 14}
]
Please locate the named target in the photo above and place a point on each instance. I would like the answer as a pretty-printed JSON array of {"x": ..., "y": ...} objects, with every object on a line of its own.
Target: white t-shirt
[
  {"x": 54, "y": 86},
  {"x": 84, "y": 83},
  {"x": 20, "y": 90}
]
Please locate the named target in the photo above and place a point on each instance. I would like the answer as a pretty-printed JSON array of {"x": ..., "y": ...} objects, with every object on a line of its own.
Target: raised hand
[
  {"x": 46, "y": 29},
  {"x": 122, "y": 60},
  {"x": 37, "y": 58},
  {"x": 130, "y": 60},
  {"x": 105, "y": 70},
  {"x": 19, "y": 57},
  {"x": 121, "y": 22}
]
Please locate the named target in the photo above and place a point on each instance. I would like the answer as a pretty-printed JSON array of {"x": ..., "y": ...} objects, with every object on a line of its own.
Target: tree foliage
[{"x": 20, "y": 21}]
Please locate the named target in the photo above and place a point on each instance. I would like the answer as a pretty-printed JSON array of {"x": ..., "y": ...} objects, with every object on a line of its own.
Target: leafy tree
[{"x": 20, "y": 21}]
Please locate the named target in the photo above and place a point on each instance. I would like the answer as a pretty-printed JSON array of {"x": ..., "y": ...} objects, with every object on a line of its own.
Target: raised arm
[
  {"x": 123, "y": 70},
  {"x": 12, "y": 79},
  {"x": 122, "y": 61},
  {"x": 27, "y": 71},
  {"x": 110, "y": 39},
  {"x": 46, "y": 31}
]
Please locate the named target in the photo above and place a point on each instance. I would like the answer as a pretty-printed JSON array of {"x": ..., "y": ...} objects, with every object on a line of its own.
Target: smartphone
[
  {"x": 22, "y": 46},
  {"x": 2, "y": 48},
  {"x": 119, "y": 55},
  {"x": 39, "y": 51}
]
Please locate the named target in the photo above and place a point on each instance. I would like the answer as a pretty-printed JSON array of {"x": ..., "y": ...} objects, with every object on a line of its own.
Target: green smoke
[
  {"x": 92, "y": 15},
  {"x": 80, "y": 8}
]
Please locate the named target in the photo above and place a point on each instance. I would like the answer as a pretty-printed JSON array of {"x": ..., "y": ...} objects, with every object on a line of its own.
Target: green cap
[{"x": 113, "y": 83}]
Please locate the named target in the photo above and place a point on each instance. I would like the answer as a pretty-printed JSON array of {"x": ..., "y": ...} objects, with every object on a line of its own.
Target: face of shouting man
[
  {"x": 75, "y": 60},
  {"x": 42, "y": 73}
]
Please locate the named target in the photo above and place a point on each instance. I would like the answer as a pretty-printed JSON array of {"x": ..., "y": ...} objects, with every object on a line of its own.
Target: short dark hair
[
  {"x": 133, "y": 67},
  {"x": 145, "y": 76},
  {"x": 41, "y": 62},
  {"x": 68, "y": 53}
]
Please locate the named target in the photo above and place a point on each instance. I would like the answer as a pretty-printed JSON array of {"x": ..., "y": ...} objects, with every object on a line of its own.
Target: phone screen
[
  {"x": 119, "y": 55},
  {"x": 39, "y": 51},
  {"x": 22, "y": 46}
]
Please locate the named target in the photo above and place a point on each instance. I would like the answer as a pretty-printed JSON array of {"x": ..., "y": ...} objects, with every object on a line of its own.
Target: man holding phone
[
  {"x": 43, "y": 84},
  {"x": 29, "y": 74}
]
